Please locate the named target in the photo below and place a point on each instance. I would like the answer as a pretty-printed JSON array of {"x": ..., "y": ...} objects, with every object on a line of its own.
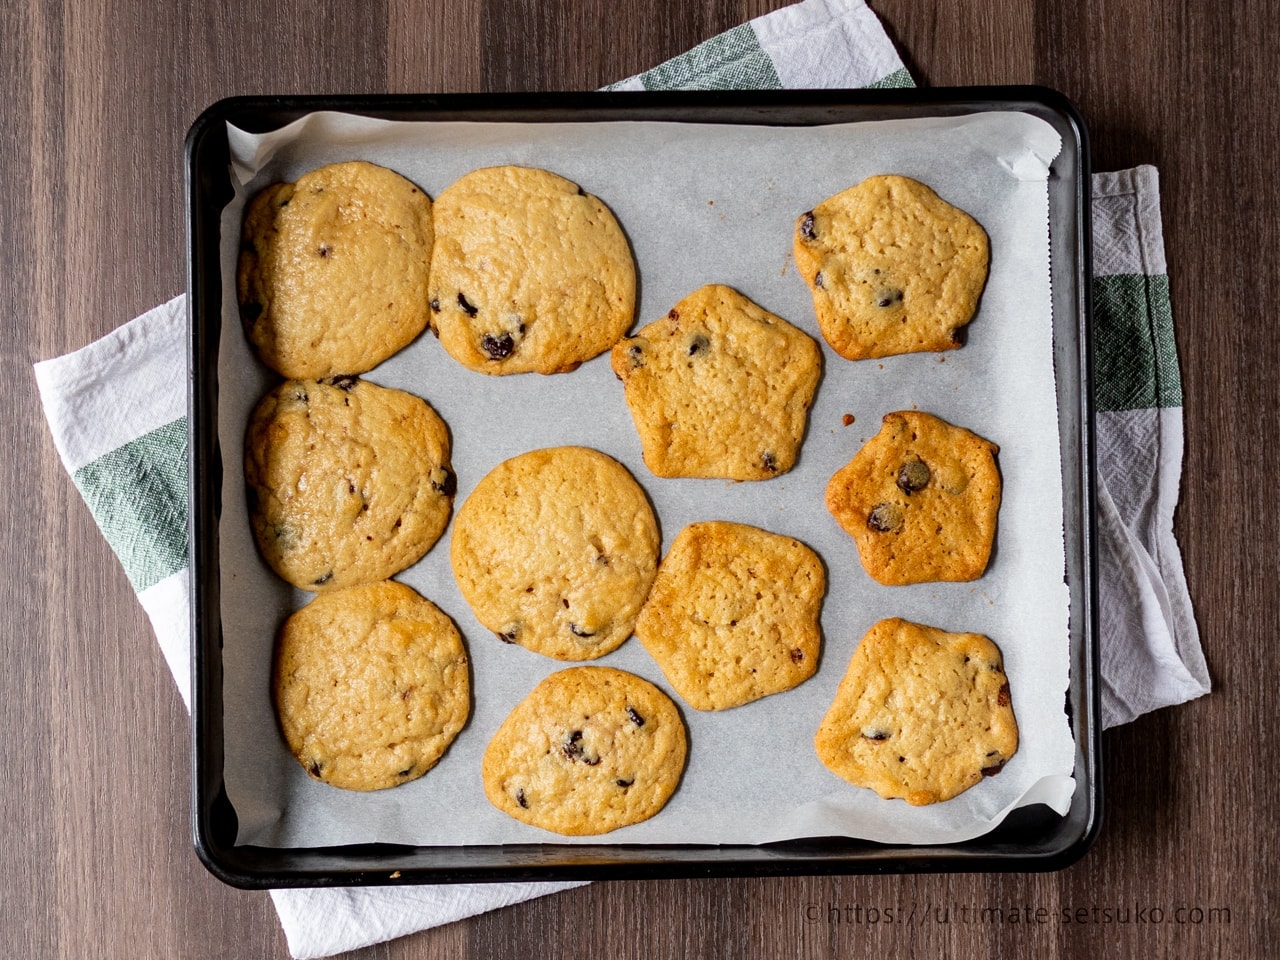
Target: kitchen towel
[{"x": 117, "y": 413}]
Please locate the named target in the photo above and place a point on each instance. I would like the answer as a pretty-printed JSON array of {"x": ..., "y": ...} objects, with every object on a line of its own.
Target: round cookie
[
  {"x": 893, "y": 268},
  {"x": 332, "y": 277},
  {"x": 921, "y": 714},
  {"x": 348, "y": 482},
  {"x": 555, "y": 550},
  {"x": 591, "y": 749},
  {"x": 371, "y": 685},
  {"x": 920, "y": 500},
  {"x": 733, "y": 614},
  {"x": 719, "y": 387},
  {"x": 529, "y": 273}
]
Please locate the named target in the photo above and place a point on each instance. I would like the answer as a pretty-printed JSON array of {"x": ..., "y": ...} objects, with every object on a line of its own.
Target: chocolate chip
[
  {"x": 573, "y": 749},
  {"x": 434, "y": 304},
  {"x": 876, "y": 734},
  {"x": 806, "y": 226},
  {"x": 324, "y": 250},
  {"x": 636, "y": 355},
  {"x": 498, "y": 348},
  {"x": 635, "y": 717},
  {"x": 797, "y": 655},
  {"x": 887, "y": 297},
  {"x": 992, "y": 770},
  {"x": 345, "y": 383},
  {"x": 315, "y": 769},
  {"x": 521, "y": 799},
  {"x": 699, "y": 344},
  {"x": 444, "y": 481},
  {"x": 913, "y": 476},
  {"x": 625, "y": 783},
  {"x": 579, "y": 632},
  {"x": 406, "y": 772},
  {"x": 323, "y": 579},
  {"x": 769, "y": 462},
  {"x": 673, "y": 314},
  {"x": 1002, "y": 698},
  {"x": 509, "y": 634},
  {"x": 467, "y": 308},
  {"x": 884, "y": 518},
  {"x": 818, "y": 281}
]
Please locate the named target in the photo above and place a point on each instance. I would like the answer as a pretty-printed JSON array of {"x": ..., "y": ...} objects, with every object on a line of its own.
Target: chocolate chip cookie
[
  {"x": 591, "y": 749},
  {"x": 920, "y": 500},
  {"x": 733, "y": 614},
  {"x": 921, "y": 714},
  {"x": 719, "y": 387},
  {"x": 348, "y": 482},
  {"x": 332, "y": 276},
  {"x": 529, "y": 273},
  {"x": 371, "y": 685},
  {"x": 555, "y": 550},
  {"x": 893, "y": 268}
]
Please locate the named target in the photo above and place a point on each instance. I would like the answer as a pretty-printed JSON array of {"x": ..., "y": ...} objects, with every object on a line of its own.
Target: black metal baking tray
[{"x": 1030, "y": 838}]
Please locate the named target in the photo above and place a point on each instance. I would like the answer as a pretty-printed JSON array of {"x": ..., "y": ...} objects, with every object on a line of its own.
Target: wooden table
[{"x": 97, "y": 860}]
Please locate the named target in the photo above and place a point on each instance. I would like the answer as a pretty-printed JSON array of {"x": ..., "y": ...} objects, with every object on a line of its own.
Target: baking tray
[{"x": 1029, "y": 838}]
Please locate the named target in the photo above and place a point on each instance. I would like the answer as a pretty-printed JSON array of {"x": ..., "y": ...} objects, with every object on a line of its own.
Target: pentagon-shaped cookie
[
  {"x": 591, "y": 749},
  {"x": 555, "y": 550},
  {"x": 529, "y": 273},
  {"x": 719, "y": 387},
  {"x": 921, "y": 714},
  {"x": 893, "y": 268},
  {"x": 371, "y": 685},
  {"x": 332, "y": 277},
  {"x": 348, "y": 482},
  {"x": 733, "y": 614},
  {"x": 920, "y": 500}
]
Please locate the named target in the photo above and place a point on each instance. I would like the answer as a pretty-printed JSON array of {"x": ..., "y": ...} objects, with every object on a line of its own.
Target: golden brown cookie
[
  {"x": 893, "y": 268},
  {"x": 719, "y": 387},
  {"x": 555, "y": 550},
  {"x": 733, "y": 614},
  {"x": 590, "y": 750},
  {"x": 920, "y": 500},
  {"x": 371, "y": 685},
  {"x": 529, "y": 273},
  {"x": 348, "y": 482},
  {"x": 921, "y": 714},
  {"x": 332, "y": 277}
]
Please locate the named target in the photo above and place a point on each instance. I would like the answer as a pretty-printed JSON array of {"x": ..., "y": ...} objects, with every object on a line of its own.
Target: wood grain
[{"x": 98, "y": 94}]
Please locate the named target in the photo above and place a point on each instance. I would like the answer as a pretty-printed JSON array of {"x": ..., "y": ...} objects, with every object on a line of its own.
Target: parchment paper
[{"x": 700, "y": 204}]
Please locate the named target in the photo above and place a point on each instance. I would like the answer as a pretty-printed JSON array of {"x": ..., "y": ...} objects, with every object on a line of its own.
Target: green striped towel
[{"x": 116, "y": 410}]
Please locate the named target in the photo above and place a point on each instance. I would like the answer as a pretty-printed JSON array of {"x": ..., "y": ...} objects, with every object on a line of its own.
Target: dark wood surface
[{"x": 96, "y": 858}]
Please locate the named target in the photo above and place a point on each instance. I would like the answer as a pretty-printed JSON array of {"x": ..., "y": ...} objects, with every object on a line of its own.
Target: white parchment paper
[{"x": 700, "y": 204}]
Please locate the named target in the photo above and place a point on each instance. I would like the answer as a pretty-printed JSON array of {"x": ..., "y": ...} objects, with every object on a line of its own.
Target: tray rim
[{"x": 1002, "y": 849}]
